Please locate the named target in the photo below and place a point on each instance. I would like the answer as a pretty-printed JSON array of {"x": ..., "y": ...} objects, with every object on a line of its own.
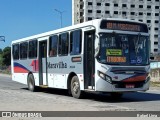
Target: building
[
  {"x": 159, "y": 35},
  {"x": 147, "y": 11}
]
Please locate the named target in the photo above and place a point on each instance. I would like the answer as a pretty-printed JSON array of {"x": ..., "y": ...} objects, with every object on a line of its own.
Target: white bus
[{"x": 102, "y": 55}]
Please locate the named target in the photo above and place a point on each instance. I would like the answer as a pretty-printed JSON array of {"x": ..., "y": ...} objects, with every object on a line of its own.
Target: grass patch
[
  {"x": 154, "y": 84},
  {"x": 6, "y": 71}
]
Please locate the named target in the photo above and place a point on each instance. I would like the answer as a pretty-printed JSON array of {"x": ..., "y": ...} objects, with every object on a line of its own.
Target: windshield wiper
[{"x": 137, "y": 44}]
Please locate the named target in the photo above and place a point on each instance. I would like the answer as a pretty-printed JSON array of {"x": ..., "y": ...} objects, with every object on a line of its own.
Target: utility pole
[
  {"x": 2, "y": 38},
  {"x": 60, "y": 12}
]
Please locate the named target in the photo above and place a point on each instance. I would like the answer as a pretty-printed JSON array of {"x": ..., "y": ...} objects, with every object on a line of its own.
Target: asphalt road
[{"x": 16, "y": 97}]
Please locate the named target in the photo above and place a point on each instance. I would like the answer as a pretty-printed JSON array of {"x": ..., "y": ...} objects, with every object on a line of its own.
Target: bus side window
[
  {"x": 16, "y": 52},
  {"x": 33, "y": 49},
  {"x": 63, "y": 44},
  {"x": 53, "y": 42},
  {"x": 75, "y": 42},
  {"x": 23, "y": 50}
]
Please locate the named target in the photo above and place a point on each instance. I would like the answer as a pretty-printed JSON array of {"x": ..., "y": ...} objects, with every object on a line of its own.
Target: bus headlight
[{"x": 104, "y": 77}]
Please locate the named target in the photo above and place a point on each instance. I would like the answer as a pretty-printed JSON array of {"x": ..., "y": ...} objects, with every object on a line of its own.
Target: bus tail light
[{"x": 104, "y": 77}]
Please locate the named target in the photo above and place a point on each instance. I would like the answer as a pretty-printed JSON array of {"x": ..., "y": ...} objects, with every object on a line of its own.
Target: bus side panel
[
  {"x": 50, "y": 80},
  {"x": 59, "y": 81},
  {"x": 20, "y": 77},
  {"x": 74, "y": 64},
  {"x": 21, "y": 69},
  {"x": 59, "y": 69}
]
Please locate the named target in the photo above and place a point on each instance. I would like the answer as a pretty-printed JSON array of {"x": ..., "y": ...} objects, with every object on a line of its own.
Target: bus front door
[
  {"x": 43, "y": 63},
  {"x": 89, "y": 61}
]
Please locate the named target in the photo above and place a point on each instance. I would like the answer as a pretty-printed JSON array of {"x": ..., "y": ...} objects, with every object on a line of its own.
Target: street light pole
[
  {"x": 2, "y": 38},
  {"x": 60, "y": 12}
]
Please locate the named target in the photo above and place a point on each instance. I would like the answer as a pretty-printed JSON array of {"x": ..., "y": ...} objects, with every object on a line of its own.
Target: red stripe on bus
[
  {"x": 136, "y": 79},
  {"x": 20, "y": 70}
]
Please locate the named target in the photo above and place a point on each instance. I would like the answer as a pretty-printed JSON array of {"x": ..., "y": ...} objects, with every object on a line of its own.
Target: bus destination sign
[{"x": 125, "y": 26}]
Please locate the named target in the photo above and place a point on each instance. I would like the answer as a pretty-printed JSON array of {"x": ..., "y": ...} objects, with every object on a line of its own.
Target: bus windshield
[{"x": 124, "y": 49}]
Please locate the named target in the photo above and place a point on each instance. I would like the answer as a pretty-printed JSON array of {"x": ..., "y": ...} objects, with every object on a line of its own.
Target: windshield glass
[{"x": 124, "y": 49}]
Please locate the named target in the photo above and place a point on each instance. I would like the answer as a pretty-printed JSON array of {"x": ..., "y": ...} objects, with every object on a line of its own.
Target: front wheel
[
  {"x": 75, "y": 88},
  {"x": 31, "y": 83}
]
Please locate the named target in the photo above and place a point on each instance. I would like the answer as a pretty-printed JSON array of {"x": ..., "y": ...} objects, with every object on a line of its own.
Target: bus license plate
[{"x": 129, "y": 86}]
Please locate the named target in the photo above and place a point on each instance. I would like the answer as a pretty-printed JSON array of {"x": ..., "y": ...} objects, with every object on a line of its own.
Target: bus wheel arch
[{"x": 31, "y": 82}]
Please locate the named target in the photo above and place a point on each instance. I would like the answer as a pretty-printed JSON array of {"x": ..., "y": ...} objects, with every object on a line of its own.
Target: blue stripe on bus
[{"x": 19, "y": 65}]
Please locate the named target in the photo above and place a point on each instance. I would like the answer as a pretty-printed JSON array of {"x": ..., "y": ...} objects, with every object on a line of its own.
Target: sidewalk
[
  {"x": 5, "y": 75},
  {"x": 154, "y": 88}
]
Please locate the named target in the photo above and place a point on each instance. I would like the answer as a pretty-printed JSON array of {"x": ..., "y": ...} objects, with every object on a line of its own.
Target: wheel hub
[
  {"x": 75, "y": 87},
  {"x": 31, "y": 83}
]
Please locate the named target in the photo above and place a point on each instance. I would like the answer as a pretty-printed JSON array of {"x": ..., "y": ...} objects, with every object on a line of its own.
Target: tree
[
  {"x": 6, "y": 55},
  {"x": 1, "y": 51},
  {"x": 1, "y": 60}
]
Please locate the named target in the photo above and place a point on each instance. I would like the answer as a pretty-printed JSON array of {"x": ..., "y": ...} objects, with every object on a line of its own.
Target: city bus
[{"x": 102, "y": 55}]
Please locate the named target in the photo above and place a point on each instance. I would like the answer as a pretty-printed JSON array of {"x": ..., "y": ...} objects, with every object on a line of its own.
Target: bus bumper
[{"x": 103, "y": 86}]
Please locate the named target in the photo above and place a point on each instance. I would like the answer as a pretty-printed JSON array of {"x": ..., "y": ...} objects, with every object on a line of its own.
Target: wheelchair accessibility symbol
[{"x": 139, "y": 59}]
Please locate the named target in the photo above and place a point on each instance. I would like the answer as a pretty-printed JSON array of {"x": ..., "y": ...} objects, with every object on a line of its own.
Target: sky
[{"x": 24, "y": 18}]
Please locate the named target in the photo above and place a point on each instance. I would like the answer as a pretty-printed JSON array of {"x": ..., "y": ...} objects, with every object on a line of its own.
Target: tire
[
  {"x": 75, "y": 88},
  {"x": 116, "y": 95},
  {"x": 31, "y": 83}
]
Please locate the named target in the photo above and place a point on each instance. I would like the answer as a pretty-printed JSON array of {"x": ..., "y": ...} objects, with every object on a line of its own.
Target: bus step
[
  {"x": 43, "y": 86},
  {"x": 90, "y": 87},
  {"x": 91, "y": 90}
]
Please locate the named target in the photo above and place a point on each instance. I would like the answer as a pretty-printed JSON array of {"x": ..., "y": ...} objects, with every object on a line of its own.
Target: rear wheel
[
  {"x": 75, "y": 88},
  {"x": 31, "y": 83}
]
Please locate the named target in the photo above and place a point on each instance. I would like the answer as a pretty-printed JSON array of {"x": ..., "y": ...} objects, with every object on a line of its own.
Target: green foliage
[
  {"x": 1, "y": 51},
  {"x": 1, "y": 60},
  {"x": 6, "y": 56}
]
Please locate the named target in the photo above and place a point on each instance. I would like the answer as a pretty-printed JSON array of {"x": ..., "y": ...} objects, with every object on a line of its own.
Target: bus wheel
[
  {"x": 31, "y": 83},
  {"x": 116, "y": 95},
  {"x": 75, "y": 88}
]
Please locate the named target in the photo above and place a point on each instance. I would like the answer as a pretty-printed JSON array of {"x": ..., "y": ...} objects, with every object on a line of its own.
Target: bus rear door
[{"x": 43, "y": 80}]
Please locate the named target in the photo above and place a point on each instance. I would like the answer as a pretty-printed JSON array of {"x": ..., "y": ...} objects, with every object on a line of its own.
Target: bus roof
[{"x": 80, "y": 25}]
